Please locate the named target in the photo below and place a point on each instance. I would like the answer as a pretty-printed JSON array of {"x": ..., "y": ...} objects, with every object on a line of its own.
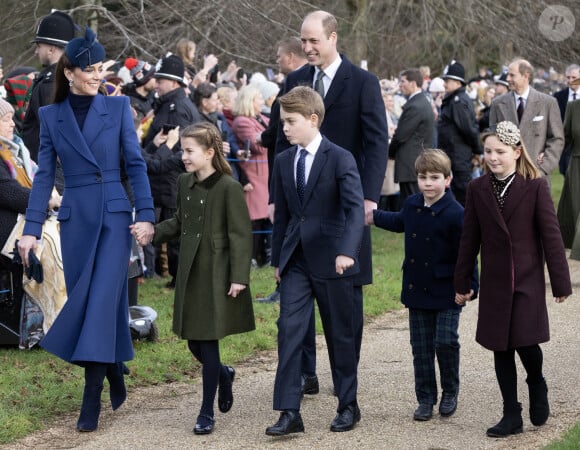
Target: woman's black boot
[{"x": 510, "y": 423}]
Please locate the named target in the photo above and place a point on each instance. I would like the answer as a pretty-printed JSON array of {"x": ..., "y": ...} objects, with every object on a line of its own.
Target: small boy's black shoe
[
  {"x": 423, "y": 412},
  {"x": 448, "y": 404}
]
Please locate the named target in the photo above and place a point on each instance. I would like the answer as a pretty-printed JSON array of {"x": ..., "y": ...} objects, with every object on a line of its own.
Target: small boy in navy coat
[{"x": 432, "y": 221}]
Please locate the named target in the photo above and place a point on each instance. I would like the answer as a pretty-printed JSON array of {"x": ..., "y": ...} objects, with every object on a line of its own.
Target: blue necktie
[{"x": 301, "y": 174}]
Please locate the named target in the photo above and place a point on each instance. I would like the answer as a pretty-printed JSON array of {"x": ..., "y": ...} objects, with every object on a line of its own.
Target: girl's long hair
[{"x": 524, "y": 164}]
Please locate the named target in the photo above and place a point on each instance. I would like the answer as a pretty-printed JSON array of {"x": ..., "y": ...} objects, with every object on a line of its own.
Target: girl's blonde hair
[
  {"x": 244, "y": 105},
  {"x": 508, "y": 134},
  {"x": 208, "y": 136}
]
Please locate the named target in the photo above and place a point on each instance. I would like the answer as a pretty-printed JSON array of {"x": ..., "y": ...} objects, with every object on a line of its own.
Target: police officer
[
  {"x": 457, "y": 129},
  {"x": 53, "y": 33},
  {"x": 173, "y": 108}
]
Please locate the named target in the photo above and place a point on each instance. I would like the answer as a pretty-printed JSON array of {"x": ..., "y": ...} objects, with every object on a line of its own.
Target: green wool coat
[{"x": 213, "y": 225}]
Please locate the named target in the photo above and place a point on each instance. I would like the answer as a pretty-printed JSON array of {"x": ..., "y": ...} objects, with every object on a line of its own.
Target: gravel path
[{"x": 163, "y": 417}]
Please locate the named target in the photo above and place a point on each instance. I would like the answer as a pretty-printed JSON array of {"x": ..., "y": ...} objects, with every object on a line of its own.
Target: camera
[
  {"x": 247, "y": 150},
  {"x": 213, "y": 74}
]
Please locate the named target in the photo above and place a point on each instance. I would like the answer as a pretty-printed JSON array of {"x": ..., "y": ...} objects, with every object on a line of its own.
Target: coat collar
[
  {"x": 94, "y": 124},
  {"x": 513, "y": 201},
  {"x": 418, "y": 201}
]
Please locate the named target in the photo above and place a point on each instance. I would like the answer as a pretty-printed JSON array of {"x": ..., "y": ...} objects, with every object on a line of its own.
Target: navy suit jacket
[
  {"x": 355, "y": 119},
  {"x": 330, "y": 219},
  {"x": 562, "y": 99}
]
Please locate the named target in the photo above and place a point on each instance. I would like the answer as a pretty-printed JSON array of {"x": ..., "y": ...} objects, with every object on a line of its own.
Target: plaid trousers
[{"x": 434, "y": 333}]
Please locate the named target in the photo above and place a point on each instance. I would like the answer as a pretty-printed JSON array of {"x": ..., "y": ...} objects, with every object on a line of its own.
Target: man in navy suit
[
  {"x": 569, "y": 94},
  {"x": 318, "y": 229},
  {"x": 355, "y": 119}
]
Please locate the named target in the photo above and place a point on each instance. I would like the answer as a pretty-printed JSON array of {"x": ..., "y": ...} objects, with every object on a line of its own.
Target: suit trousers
[
  {"x": 434, "y": 332},
  {"x": 335, "y": 298}
]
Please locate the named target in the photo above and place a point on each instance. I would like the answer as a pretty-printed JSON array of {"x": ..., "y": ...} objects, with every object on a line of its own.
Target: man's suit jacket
[
  {"x": 541, "y": 125},
  {"x": 562, "y": 99},
  {"x": 355, "y": 119},
  {"x": 415, "y": 128},
  {"x": 329, "y": 221}
]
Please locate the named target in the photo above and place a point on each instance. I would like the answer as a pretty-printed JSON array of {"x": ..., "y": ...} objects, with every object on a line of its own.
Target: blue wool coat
[
  {"x": 94, "y": 217},
  {"x": 432, "y": 236}
]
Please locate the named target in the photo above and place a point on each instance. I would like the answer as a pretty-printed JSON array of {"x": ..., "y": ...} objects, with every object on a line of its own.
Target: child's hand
[
  {"x": 460, "y": 299},
  {"x": 342, "y": 263},
  {"x": 235, "y": 289}
]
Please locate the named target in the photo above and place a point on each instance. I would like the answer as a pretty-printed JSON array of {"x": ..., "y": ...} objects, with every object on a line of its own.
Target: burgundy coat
[{"x": 514, "y": 246}]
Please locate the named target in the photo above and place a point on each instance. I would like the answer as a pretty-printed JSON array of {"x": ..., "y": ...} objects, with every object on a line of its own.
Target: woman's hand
[
  {"x": 143, "y": 232},
  {"x": 54, "y": 202},
  {"x": 235, "y": 289},
  {"x": 25, "y": 244},
  {"x": 160, "y": 139}
]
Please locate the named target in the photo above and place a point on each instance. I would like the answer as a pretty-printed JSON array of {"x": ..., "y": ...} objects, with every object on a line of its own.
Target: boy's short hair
[
  {"x": 433, "y": 160},
  {"x": 305, "y": 101}
]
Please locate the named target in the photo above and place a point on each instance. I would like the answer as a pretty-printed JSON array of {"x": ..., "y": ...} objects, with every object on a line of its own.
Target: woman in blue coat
[{"x": 90, "y": 134}]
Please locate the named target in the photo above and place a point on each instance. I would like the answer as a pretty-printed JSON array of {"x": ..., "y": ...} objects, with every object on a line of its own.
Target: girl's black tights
[
  {"x": 208, "y": 354},
  {"x": 505, "y": 370}
]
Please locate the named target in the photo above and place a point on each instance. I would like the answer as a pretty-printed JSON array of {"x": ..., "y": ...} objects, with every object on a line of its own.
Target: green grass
[
  {"x": 35, "y": 386},
  {"x": 570, "y": 440}
]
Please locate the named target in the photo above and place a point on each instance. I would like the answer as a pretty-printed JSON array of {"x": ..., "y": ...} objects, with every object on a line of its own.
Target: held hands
[
  {"x": 560, "y": 299},
  {"x": 143, "y": 232},
  {"x": 235, "y": 289},
  {"x": 343, "y": 263},
  {"x": 460, "y": 299},
  {"x": 370, "y": 206}
]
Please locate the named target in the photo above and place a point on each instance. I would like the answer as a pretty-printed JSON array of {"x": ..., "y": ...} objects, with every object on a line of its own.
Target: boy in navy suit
[
  {"x": 432, "y": 221},
  {"x": 318, "y": 228}
]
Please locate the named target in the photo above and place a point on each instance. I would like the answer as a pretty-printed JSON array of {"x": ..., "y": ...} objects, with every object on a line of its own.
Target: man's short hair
[
  {"x": 305, "y": 101},
  {"x": 525, "y": 68},
  {"x": 291, "y": 44},
  {"x": 329, "y": 22},
  {"x": 571, "y": 68},
  {"x": 413, "y": 75},
  {"x": 433, "y": 160}
]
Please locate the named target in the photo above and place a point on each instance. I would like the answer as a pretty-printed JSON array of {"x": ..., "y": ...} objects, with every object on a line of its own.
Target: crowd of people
[{"x": 213, "y": 173}]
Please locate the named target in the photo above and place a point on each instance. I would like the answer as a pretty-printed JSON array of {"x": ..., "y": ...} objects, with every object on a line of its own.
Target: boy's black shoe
[
  {"x": 448, "y": 404},
  {"x": 423, "y": 412}
]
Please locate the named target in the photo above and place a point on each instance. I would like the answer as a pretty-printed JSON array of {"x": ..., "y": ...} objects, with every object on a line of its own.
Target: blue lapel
[
  {"x": 96, "y": 119},
  {"x": 69, "y": 129},
  {"x": 338, "y": 83},
  {"x": 94, "y": 123}
]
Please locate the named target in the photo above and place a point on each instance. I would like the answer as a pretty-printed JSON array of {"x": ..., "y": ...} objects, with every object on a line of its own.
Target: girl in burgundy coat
[{"x": 510, "y": 219}]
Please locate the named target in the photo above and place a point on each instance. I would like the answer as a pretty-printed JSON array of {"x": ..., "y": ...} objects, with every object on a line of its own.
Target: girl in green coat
[{"x": 212, "y": 297}]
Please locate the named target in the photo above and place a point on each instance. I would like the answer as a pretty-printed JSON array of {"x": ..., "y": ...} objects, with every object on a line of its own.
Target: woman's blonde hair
[
  {"x": 244, "y": 105},
  {"x": 524, "y": 164},
  {"x": 208, "y": 136},
  {"x": 183, "y": 47}
]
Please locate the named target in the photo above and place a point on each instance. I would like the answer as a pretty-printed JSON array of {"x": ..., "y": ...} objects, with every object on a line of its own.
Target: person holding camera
[{"x": 174, "y": 109}]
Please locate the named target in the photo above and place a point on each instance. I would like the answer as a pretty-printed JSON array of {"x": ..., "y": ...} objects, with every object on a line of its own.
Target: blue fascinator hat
[{"x": 85, "y": 51}]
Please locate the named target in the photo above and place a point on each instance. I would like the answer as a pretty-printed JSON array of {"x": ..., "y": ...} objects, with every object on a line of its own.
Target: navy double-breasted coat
[{"x": 94, "y": 218}]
